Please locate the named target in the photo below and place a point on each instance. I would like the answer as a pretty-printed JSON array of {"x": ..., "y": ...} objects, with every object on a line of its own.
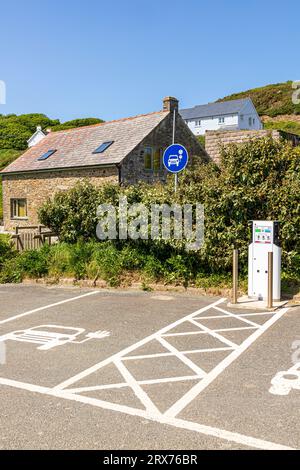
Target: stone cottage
[{"x": 124, "y": 151}]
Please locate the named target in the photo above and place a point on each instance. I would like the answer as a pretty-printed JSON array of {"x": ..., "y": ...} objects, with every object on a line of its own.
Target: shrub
[
  {"x": 11, "y": 271},
  {"x": 7, "y": 251},
  {"x": 153, "y": 268},
  {"x": 72, "y": 214},
  {"x": 108, "y": 261},
  {"x": 34, "y": 262}
]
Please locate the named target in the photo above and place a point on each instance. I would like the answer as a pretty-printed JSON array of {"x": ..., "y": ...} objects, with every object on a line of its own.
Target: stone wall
[
  {"x": 38, "y": 187},
  {"x": 215, "y": 139},
  {"x": 133, "y": 167}
]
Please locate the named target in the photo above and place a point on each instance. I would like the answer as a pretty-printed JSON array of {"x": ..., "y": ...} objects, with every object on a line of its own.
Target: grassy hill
[{"x": 275, "y": 106}]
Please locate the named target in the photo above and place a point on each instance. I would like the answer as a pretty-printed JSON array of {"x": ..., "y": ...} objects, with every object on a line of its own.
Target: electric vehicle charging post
[{"x": 265, "y": 238}]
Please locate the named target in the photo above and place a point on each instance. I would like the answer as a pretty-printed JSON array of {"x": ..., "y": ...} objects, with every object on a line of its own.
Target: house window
[
  {"x": 103, "y": 146},
  {"x": 242, "y": 117},
  {"x": 221, "y": 120},
  {"x": 47, "y": 155},
  {"x": 148, "y": 158},
  {"x": 253, "y": 121},
  {"x": 18, "y": 208},
  {"x": 153, "y": 159},
  {"x": 198, "y": 123},
  {"x": 157, "y": 159},
  {"x": 250, "y": 121}
]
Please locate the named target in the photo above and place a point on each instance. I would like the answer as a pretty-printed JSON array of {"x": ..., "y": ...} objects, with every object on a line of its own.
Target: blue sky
[{"x": 111, "y": 59}]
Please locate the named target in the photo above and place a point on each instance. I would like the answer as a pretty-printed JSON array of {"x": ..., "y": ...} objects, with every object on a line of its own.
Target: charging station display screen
[{"x": 262, "y": 234}]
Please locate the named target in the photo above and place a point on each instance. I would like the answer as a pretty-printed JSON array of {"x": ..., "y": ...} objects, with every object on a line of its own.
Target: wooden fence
[{"x": 32, "y": 237}]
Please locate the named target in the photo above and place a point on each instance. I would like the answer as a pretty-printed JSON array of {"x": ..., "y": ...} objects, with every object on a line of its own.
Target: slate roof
[
  {"x": 214, "y": 109},
  {"x": 74, "y": 147}
]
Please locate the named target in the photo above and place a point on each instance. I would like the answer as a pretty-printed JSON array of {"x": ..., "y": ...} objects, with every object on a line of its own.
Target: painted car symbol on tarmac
[
  {"x": 50, "y": 336},
  {"x": 285, "y": 381}
]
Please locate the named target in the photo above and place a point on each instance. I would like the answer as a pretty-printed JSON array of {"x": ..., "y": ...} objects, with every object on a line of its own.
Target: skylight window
[
  {"x": 103, "y": 146},
  {"x": 47, "y": 155}
]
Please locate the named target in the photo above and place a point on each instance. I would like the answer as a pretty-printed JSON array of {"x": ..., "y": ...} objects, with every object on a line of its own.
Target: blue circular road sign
[{"x": 175, "y": 158}]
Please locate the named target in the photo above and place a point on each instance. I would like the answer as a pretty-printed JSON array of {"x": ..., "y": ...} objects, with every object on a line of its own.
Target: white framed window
[
  {"x": 18, "y": 208},
  {"x": 221, "y": 120},
  {"x": 250, "y": 121},
  {"x": 198, "y": 123}
]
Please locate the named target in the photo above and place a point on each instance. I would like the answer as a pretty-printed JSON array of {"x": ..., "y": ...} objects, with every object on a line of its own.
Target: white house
[
  {"x": 223, "y": 115},
  {"x": 37, "y": 136}
]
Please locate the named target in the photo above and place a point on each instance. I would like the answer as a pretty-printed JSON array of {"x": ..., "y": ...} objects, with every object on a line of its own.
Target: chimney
[
  {"x": 38, "y": 128},
  {"x": 170, "y": 103}
]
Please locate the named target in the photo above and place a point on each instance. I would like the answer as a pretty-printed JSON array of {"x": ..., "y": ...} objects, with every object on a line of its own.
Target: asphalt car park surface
[{"x": 95, "y": 369}]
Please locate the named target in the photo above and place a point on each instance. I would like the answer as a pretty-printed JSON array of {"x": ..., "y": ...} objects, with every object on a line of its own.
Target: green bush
[
  {"x": 108, "y": 261},
  {"x": 72, "y": 214},
  {"x": 16, "y": 130},
  {"x": 76, "y": 123},
  {"x": 153, "y": 268},
  {"x": 6, "y": 249},
  {"x": 11, "y": 271},
  {"x": 34, "y": 262}
]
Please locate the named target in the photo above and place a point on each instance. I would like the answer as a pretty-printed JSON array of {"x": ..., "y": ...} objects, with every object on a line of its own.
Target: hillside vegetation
[
  {"x": 16, "y": 130},
  {"x": 271, "y": 102}
]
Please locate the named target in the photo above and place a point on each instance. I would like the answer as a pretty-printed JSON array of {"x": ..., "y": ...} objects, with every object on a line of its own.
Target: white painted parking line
[
  {"x": 139, "y": 392},
  {"x": 185, "y": 333},
  {"x": 175, "y": 409},
  {"x": 241, "y": 328},
  {"x": 238, "y": 438},
  {"x": 203, "y": 378},
  {"x": 151, "y": 411},
  {"x": 45, "y": 307},
  {"x": 164, "y": 354},
  {"x": 131, "y": 348},
  {"x": 200, "y": 372},
  {"x": 234, "y": 315},
  {"x": 140, "y": 382},
  {"x": 213, "y": 333}
]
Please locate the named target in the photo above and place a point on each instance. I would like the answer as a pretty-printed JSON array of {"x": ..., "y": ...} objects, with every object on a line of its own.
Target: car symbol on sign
[{"x": 173, "y": 160}]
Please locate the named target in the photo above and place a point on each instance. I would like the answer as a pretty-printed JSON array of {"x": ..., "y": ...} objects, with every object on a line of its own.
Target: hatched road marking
[{"x": 163, "y": 338}]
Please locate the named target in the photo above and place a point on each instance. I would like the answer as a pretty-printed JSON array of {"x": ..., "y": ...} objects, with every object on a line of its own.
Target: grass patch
[
  {"x": 106, "y": 261},
  {"x": 288, "y": 126}
]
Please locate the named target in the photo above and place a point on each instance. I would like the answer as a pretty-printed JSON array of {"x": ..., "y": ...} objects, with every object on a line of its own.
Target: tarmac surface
[{"x": 96, "y": 369}]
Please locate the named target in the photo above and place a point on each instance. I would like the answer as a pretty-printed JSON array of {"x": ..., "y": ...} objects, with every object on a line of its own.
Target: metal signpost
[
  {"x": 175, "y": 156},
  {"x": 175, "y": 159}
]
